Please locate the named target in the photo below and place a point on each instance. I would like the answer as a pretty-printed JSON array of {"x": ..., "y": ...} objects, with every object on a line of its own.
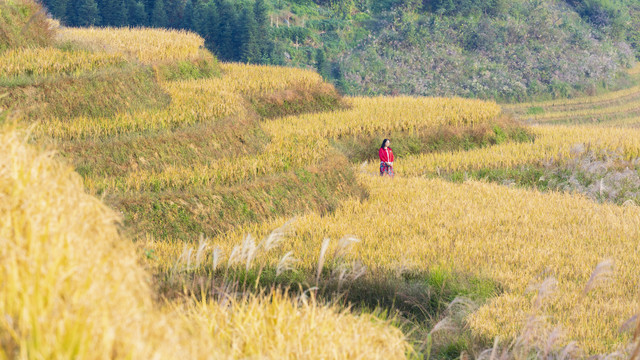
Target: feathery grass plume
[
  {"x": 216, "y": 256},
  {"x": 446, "y": 324},
  {"x": 249, "y": 250},
  {"x": 530, "y": 336},
  {"x": 602, "y": 273},
  {"x": 202, "y": 247},
  {"x": 552, "y": 340},
  {"x": 456, "y": 312},
  {"x": 570, "y": 351},
  {"x": 275, "y": 237},
  {"x": 344, "y": 246},
  {"x": 286, "y": 263},
  {"x": 545, "y": 290},
  {"x": 461, "y": 305},
  {"x": 178, "y": 265},
  {"x": 321, "y": 258},
  {"x": 235, "y": 256}
]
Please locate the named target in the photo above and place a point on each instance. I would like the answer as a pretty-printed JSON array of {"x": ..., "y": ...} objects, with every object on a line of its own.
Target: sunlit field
[{"x": 85, "y": 202}]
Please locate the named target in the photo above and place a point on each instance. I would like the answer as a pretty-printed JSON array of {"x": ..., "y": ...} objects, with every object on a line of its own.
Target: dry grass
[{"x": 634, "y": 70}]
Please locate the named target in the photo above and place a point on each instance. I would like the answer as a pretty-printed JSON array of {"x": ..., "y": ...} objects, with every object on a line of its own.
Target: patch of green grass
[
  {"x": 535, "y": 110},
  {"x": 205, "y": 67}
]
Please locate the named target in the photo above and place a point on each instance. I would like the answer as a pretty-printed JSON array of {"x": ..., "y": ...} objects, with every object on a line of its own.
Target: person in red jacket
[{"x": 386, "y": 158}]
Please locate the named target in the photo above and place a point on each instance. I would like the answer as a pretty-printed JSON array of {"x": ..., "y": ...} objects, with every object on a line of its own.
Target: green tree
[
  {"x": 263, "y": 36},
  {"x": 226, "y": 27},
  {"x": 250, "y": 49},
  {"x": 199, "y": 18},
  {"x": 159, "y": 15},
  {"x": 113, "y": 12},
  {"x": 175, "y": 12},
  {"x": 83, "y": 13},
  {"x": 59, "y": 9},
  {"x": 136, "y": 14},
  {"x": 187, "y": 18},
  {"x": 322, "y": 65}
]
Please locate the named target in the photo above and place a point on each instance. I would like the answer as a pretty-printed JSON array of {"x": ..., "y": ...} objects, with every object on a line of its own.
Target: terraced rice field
[
  {"x": 207, "y": 157},
  {"x": 621, "y": 108}
]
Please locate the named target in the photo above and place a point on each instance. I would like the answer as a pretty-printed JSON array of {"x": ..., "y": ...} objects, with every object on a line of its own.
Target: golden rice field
[
  {"x": 261, "y": 79},
  {"x": 585, "y": 101},
  {"x": 295, "y": 140},
  {"x": 193, "y": 101},
  {"x": 53, "y": 61},
  {"x": 631, "y": 107},
  {"x": 399, "y": 114},
  {"x": 516, "y": 237},
  {"x": 70, "y": 287},
  {"x": 553, "y": 143},
  {"x": 619, "y": 108},
  {"x": 149, "y": 46}
]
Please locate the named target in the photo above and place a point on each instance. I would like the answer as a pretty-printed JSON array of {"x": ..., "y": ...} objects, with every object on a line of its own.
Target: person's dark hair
[{"x": 383, "y": 142}]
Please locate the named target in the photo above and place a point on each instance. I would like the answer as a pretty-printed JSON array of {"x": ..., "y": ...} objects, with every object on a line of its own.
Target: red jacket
[{"x": 386, "y": 155}]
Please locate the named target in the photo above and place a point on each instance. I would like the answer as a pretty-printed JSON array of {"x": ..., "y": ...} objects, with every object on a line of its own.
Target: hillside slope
[
  {"x": 507, "y": 51},
  {"x": 503, "y": 50}
]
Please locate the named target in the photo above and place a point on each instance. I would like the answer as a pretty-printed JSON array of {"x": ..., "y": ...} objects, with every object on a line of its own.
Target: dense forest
[{"x": 506, "y": 50}]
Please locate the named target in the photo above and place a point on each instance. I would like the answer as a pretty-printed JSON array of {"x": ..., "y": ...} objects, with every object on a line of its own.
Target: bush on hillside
[{"x": 23, "y": 23}]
